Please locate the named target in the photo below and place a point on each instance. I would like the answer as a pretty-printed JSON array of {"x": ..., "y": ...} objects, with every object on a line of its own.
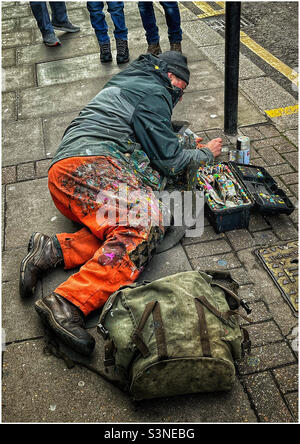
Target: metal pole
[{"x": 232, "y": 53}]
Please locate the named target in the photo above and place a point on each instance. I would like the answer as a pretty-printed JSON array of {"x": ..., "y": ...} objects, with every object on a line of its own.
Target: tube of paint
[{"x": 232, "y": 155}]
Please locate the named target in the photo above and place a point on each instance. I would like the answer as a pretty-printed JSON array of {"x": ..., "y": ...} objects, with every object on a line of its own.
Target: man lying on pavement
[{"x": 123, "y": 139}]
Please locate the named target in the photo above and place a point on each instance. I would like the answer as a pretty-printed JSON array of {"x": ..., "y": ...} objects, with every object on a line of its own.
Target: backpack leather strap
[
  {"x": 204, "y": 338},
  {"x": 217, "y": 313},
  {"x": 137, "y": 335},
  {"x": 159, "y": 333}
]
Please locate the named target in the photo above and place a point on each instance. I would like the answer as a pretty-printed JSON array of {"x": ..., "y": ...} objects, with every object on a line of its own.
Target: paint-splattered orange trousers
[{"x": 122, "y": 226}]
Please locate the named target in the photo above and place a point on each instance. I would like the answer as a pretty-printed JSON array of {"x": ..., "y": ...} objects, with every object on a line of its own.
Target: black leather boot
[
  {"x": 66, "y": 321},
  {"x": 154, "y": 48},
  {"x": 175, "y": 46},
  {"x": 43, "y": 255},
  {"x": 122, "y": 51},
  {"x": 105, "y": 53}
]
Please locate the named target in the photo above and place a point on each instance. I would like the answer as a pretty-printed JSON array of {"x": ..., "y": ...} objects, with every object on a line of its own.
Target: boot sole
[
  {"x": 31, "y": 252},
  {"x": 47, "y": 317},
  {"x": 120, "y": 62}
]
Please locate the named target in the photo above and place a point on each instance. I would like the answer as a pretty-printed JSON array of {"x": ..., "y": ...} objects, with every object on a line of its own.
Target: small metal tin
[
  {"x": 246, "y": 157},
  {"x": 232, "y": 156},
  {"x": 243, "y": 143},
  {"x": 243, "y": 150},
  {"x": 240, "y": 156}
]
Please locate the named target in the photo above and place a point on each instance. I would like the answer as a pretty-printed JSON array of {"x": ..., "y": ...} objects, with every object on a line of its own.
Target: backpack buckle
[
  {"x": 102, "y": 331},
  {"x": 245, "y": 306}
]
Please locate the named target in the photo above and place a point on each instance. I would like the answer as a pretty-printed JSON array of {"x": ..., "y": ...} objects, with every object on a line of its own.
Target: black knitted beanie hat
[{"x": 177, "y": 64}]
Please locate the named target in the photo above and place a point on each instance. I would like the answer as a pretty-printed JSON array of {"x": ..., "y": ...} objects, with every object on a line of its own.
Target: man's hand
[{"x": 214, "y": 146}]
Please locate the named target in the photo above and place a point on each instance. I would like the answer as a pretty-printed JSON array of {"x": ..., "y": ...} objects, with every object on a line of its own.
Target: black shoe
[
  {"x": 122, "y": 51},
  {"x": 105, "y": 52},
  {"x": 42, "y": 256},
  {"x": 66, "y": 321}
]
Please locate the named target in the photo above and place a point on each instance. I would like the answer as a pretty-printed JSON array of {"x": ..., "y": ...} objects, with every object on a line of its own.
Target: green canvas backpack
[{"x": 175, "y": 335}]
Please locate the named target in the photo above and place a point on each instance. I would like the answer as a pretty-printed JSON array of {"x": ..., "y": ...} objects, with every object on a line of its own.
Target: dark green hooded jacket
[{"x": 132, "y": 114}]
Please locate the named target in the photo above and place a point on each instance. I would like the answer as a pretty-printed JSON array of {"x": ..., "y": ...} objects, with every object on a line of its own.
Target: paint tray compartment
[
  {"x": 223, "y": 218},
  {"x": 268, "y": 198}
]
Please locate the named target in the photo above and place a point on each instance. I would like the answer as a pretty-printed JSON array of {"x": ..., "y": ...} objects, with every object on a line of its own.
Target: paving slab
[
  {"x": 11, "y": 260},
  {"x": 204, "y": 109},
  {"x": 66, "y": 70},
  {"x": 8, "y": 58},
  {"x": 9, "y": 25},
  {"x": 54, "y": 99},
  {"x": 207, "y": 235},
  {"x": 240, "y": 239},
  {"x": 71, "y": 48},
  {"x": 264, "y": 238},
  {"x": 30, "y": 204},
  {"x": 166, "y": 263},
  {"x": 270, "y": 406},
  {"x": 247, "y": 69},
  {"x": 51, "y": 389},
  {"x": 9, "y": 106},
  {"x": 25, "y": 171},
  {"x": 287, "y": 378},
  {"x": 18, "y": 38},
  {"x": 54, "y": 128},
  {"x": 22, "y": 141},
  {"x": 201, "y": 34},
  {"x": 271, "y": 333},
  {"x": 13, "y": 10},
  {"x": 19, "y": 318},
  {"x": 207, "y": 249},
  {"x": 19, "y": 77},
  {"x": 268, "y": 95},
  {"x": 88, "y": 67},
  {"x": 292, "y": 135},
  {"x": 9, "y": 175},
  {"x": 219, "y": 262},
  {"x": 285, "y": 319},
  {"x": 266, "y": 357}
]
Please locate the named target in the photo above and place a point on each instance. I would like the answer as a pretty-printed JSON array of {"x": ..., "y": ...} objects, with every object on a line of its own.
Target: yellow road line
[
  {"x": 265, "y": 55},
  {"x": 205, "y": 7},
  {"x": 206, "y": 15},
  {"x": 288, "y": 72},
  {"x": 208, "y": 10},
  {"x": 278, "y": 112}
]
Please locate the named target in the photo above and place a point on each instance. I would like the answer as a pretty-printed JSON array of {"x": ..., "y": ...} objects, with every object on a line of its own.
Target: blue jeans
[
  {"x": 41, "y": 14},
  {"x": 172, "y": 15},
  {"x": 98, "y": 22}
]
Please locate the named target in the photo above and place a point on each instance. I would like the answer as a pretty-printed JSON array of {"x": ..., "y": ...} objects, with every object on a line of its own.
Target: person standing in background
[
  {"x": 172, "y": 15},
  {"x": 98, "y": 22},
  {"x": 60, "y": 21}
]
